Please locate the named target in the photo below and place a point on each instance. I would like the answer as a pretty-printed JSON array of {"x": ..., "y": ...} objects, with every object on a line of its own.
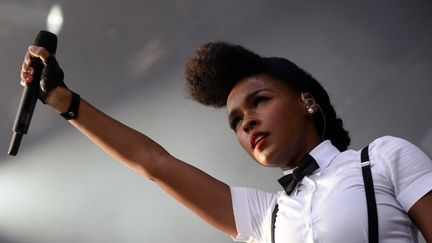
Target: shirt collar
[{"x": 324, "y": 153}]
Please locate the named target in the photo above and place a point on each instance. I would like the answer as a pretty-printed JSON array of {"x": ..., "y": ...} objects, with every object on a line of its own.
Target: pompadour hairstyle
[{"x": 216, "y": 67}]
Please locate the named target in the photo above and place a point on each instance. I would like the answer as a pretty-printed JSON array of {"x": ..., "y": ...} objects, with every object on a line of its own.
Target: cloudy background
[{"x": 127, "y": 57}]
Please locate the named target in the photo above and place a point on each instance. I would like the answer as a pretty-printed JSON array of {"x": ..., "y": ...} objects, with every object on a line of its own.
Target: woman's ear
[{"x": 309, "y": 102}]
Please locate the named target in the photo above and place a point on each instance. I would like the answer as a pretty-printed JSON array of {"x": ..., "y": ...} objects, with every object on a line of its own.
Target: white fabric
[{"x": 330, "y": 204}]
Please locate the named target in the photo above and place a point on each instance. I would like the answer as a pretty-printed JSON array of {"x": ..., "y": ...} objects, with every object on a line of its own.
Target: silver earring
[{"x": 309, "y": 103}]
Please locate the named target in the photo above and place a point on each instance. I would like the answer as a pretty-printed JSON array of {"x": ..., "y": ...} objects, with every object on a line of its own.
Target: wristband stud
[{"x": 72, "y": 112}]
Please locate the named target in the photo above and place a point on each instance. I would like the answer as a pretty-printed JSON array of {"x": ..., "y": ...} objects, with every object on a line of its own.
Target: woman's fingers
[
  {"x": 26, "y": 66},
  {"x": 26, "y": 69},
  {"x": 27, "y": 60},
  {"x": 26, "y": 79}
]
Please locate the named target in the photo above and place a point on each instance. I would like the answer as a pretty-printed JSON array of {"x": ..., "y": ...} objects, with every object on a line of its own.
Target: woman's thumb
[{"x": 38, "y": 51}]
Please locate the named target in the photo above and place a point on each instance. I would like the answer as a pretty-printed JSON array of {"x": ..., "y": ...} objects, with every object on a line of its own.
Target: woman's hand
[{"x": 52, "y": 89}]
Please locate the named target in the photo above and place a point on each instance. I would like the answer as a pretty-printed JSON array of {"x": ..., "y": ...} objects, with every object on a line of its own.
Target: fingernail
[{"x": 32, "y": 48}]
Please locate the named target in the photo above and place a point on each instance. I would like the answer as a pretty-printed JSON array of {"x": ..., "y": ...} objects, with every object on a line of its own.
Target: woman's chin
[
  {"x": 266, "y": 159},
  {"x": 267, "y": 163}
]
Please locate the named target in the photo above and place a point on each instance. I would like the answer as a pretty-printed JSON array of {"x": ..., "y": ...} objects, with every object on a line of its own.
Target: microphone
[{"x": 30, "y": 93}]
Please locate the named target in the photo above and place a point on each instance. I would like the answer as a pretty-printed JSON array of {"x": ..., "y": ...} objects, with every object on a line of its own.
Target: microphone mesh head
[{"x": 47, "y": 40}]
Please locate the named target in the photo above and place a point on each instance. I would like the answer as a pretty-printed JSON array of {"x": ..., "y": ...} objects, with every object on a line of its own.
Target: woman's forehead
[
  {"x": 243, "y": 88},
  {"x": 250, "y": 85}
]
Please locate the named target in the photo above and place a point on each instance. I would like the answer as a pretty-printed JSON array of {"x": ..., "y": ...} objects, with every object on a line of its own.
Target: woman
[{"x": 281, "y": 116}]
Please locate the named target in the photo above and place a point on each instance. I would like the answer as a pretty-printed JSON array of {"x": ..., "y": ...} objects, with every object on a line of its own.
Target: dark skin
[
  {"x": 256, "y": 104},
  {"x": 260, "y": 104},
  {"x": 421, "y": 214}
]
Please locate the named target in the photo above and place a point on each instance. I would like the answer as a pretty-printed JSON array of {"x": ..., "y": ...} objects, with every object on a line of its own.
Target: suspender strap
[
  {"x": 273, "y": 223},
  {"x": 370, "y": 196}
]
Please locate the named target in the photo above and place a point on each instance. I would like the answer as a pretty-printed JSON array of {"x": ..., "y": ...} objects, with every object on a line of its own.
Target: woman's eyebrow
[{"x": 246, "y": 100}]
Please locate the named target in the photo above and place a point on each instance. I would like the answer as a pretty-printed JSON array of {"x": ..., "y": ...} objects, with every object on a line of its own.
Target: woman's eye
[
  {"x": 234, "y": 123},
  {"x": 259, "y": 100}
]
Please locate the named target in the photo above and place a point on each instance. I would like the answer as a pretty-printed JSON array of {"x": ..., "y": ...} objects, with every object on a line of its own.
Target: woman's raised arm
[{"x": 207, "y": 197}]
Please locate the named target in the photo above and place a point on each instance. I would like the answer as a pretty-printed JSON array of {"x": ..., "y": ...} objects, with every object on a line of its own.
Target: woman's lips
[{"x": 258, "y": 138}]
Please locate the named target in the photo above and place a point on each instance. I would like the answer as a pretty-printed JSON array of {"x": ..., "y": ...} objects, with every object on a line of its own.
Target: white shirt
[{"x": 330, "y": 204}]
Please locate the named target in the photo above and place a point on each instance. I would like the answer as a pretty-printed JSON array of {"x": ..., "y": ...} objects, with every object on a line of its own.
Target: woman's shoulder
[
  {"x": 391, "y": 146},
  {"x": 378, "y": 148},
  {"x": 388, "y": 140},
  {"x": 407, "y": 168},
  {"x": 395, "y": 151}
]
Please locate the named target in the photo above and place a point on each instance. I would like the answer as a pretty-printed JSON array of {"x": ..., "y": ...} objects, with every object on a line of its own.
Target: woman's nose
[{"x": 249, "y": 124}]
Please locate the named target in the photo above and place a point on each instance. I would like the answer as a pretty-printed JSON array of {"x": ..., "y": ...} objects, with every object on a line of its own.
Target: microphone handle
[
  {"x": 30, "y": 93},
  {"x": 26, "y": 108}
]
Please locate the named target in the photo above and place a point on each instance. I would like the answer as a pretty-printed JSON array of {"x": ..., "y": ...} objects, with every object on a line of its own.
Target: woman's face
[{"x": 271, "y": 121}]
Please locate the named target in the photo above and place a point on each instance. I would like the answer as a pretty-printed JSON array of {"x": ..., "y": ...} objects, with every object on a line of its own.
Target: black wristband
[{"x": 72, "y": 111}]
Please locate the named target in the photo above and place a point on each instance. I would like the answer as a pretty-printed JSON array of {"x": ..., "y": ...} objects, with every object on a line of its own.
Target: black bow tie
[{"x": 306, "y": 167}]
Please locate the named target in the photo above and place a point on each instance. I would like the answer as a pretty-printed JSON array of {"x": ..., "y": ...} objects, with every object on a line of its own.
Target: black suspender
[
  {"x": 370, "y": 200},
  {"x": 370, "y": 196},
  {"x": 275, "y": 210}
]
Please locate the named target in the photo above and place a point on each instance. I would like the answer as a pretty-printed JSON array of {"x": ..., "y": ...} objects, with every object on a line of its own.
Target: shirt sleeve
[
  {"x": 409, "y": 169},
  {"x": 252, "y": 209}
]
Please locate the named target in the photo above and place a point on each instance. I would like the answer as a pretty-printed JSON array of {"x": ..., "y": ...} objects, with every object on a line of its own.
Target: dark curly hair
[{"x": 216, "y": 67}]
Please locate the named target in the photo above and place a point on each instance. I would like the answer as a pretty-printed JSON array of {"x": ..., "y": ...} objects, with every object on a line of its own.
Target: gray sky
[{"x": 373, "y": 57}]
